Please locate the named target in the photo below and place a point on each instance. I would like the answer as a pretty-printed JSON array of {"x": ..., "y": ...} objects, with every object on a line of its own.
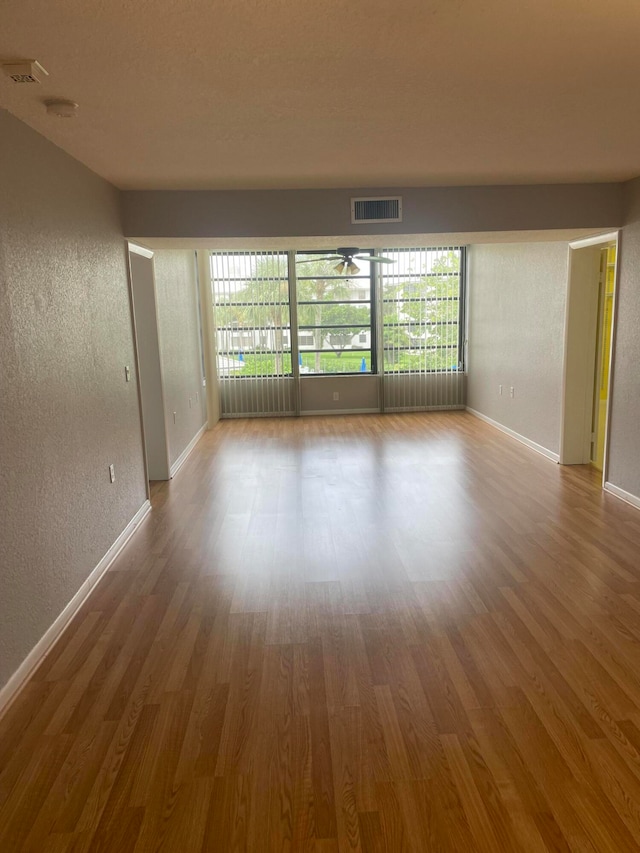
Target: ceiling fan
[{"x": 347, "y": 255}]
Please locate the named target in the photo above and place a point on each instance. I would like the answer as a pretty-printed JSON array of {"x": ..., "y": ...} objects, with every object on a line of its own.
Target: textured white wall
[
  {"x": 66, "y": 411},
  {"x": 517, "y": 296},
  {"x": 180, "y": 352},
  {"x": 624, "y": 426}
]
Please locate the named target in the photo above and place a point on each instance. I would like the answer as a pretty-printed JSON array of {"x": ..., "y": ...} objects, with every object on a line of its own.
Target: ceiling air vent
[
  {"x": 387, "y": 209},
  {"x": 25, "y": 71}
]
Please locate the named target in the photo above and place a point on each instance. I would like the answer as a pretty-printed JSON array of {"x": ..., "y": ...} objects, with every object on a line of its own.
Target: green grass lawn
[
  {"x": 349, "y": 361},
  {"x": 257, "y": 364}
]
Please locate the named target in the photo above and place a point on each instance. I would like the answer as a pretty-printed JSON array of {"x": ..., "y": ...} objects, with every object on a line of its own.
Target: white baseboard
[
  {"x": 555, "y": 457},
  {"x": 243, "y": 415},
  {"x": 634, "y": 500},
  {"x": 339, "y": 412},
  {"x": 398, "y": 410},
  {"x": 177, "y": 465},
  {"x": 46, "y": 643}
]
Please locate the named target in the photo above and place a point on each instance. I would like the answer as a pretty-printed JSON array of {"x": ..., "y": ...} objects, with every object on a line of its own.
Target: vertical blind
[
  {"x": 253, "y": 332},
  {"x": 421, "y": 336}
]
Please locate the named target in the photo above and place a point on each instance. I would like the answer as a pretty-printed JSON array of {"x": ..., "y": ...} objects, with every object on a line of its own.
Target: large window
[
  {"x": 421, "y": 310},
  {"x": 401, "y": 320},
  {"x": 336, "y": 317}
]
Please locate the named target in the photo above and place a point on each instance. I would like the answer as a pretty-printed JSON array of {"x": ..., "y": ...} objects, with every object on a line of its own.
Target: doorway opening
[
  {"x": 589, "y": 336},
  {"x": 606, "y": 293}
]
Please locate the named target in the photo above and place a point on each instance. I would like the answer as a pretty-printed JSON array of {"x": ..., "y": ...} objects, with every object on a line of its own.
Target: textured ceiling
[{"x": 228, "y": 94}]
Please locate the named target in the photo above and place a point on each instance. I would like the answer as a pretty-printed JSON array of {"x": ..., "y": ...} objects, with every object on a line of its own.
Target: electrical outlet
[
  {"x": 112, "y": 473},
  {"x": 512, "y": 391},
  {"x": 500, "y": 390},
  {"x": 127, "y": 373},
  {"x": 336, "y": 395}
]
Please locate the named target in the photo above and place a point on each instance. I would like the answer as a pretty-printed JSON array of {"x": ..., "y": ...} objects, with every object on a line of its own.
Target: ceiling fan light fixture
[
  {"x": 352, "y": 269},
  {"x": 340, "y": 267}
]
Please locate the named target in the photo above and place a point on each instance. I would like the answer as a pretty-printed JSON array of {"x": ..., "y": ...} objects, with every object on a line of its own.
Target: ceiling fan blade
[
  {"x": 328, "y": 258},
  {"x": 376, "y": 259}
]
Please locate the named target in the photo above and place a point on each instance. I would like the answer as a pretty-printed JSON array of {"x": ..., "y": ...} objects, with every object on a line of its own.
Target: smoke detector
[
  {"x": 62, "y": 109},
  {"x": 25, "y": 71}
]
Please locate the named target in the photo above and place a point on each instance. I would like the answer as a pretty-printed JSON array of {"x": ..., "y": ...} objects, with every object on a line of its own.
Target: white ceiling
[{"x": 229, "y": 94}]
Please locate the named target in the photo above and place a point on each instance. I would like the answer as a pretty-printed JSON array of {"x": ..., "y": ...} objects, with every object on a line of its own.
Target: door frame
[
  {"x": 142, "y": 251},
  {"x": 579, "y": 353}
]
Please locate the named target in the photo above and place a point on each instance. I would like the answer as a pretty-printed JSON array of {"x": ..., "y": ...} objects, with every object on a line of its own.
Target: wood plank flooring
[{"x": 396, "y": 633}]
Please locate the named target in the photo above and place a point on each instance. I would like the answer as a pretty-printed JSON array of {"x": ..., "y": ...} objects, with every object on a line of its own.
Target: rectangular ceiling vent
[
  {"x": 25, "y": 71},
  {"x": 381, "y": 209}
]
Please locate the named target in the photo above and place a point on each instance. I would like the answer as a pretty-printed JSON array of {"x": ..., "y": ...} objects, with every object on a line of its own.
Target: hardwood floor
[{"x": 369, "y": 633}]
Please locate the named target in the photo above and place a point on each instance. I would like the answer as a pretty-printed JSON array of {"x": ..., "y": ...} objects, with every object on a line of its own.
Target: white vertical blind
[
  {"x": 253, "y": 332},
  {"x": 421, "y": 298}
]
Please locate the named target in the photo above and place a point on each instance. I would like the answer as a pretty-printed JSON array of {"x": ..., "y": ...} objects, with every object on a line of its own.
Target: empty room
[{"x": 319, "y": 407}]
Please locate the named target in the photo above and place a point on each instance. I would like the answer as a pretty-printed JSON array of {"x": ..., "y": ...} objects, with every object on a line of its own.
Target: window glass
[
  {"x": 334, "y": 316},
  {"x": 421, "y": 310}
]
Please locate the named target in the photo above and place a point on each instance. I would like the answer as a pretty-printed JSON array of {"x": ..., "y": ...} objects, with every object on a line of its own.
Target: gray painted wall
[
  {"x": 624, "y": 427},
  {"x": 308, "y": 213},
  {"x": 66, "y": 411},
  {"x": 517, "y": 295},
  {"x": 180, "y": 347}
]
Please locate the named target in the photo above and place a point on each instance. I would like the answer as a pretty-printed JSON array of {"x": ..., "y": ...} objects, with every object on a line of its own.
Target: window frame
[{"x": 372, "y": 302}]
